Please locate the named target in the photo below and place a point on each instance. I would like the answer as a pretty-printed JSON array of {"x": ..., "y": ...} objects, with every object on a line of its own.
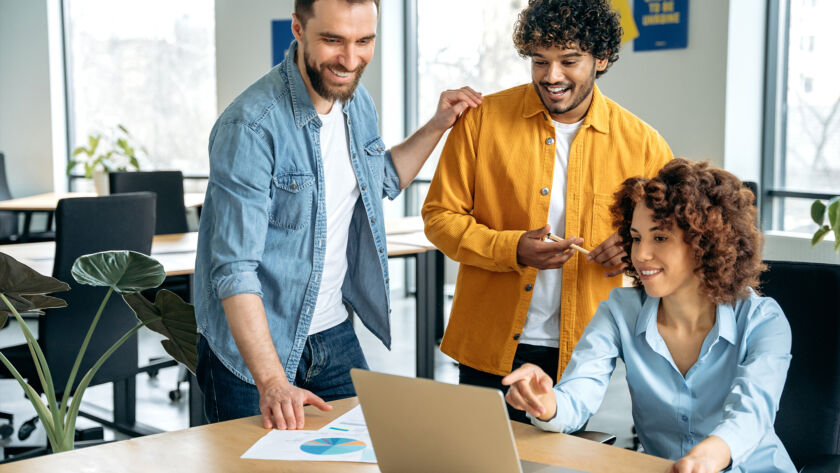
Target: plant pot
[{"x": 100, "y": 182}]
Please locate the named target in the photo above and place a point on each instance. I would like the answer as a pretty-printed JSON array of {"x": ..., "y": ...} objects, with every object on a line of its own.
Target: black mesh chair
[
  {"x": 84, "y": 226},
  {"x": 169, "y": 187},
  {"x": 808, "y": 421},
  {"x": 8, "y": 220}
]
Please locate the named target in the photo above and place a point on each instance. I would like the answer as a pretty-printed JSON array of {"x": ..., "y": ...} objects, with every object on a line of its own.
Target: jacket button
[
  {"x": 528, "y": 287},
  {"x": 364, "y": 187},
  {"x": 544, "y": 191},
  {"x": 373, "y": 220},
  {"x": 294, "y": 186},
  {"x": 516, "y": 336},
  {"x": 379, "y": 148},
  {"x": 549, "y": 141}
]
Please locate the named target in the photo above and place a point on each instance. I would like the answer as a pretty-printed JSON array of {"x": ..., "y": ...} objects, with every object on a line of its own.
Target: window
[
  {"x": 477, "y": 52},
  {"x": 802, "y": 129},
  {"x": 149, "y": 66}
]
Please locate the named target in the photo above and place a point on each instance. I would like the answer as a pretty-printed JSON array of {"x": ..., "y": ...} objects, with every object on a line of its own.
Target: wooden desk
[
  {"x": 217, "y": 448},
  {"x": 49, "y": 201}
]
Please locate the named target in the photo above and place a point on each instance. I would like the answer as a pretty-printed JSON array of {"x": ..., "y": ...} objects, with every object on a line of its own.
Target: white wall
[
  {"x": 680, "y": 92},
  {"x": 25, "y": 105}
]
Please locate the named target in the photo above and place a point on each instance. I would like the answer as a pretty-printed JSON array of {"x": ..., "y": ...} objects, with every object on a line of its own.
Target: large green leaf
[
  {"x": 124, "y": 271},
  {"x": 819, "y": 235},
  {"x": 25, "y": 288},
  {"x": 818, "y": 212},
  {"x": 176, "y": 322},
  {"x": 834, "y": 211}
]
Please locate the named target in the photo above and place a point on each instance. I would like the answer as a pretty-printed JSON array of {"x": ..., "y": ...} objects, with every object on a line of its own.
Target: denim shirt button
[
  {"x": 685, "y": 418},
  {"x": 364, "y": 187},
  {"x": 349, "y": 121},
  {"x": 373, "y": 220},
  {"x": 381, "y": 250}
]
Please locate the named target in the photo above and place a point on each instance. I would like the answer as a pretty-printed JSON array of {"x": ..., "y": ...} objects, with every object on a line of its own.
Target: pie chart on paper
[{"x": 332, "y": 446}]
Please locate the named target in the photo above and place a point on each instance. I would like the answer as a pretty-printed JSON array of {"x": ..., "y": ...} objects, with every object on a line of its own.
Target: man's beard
[
  {"x": 316, "y": 78},
  {"x": 577, "y": 98}
]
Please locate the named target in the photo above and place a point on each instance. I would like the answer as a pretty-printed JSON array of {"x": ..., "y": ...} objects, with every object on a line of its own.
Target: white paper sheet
[{"x": 345, "y": 439}]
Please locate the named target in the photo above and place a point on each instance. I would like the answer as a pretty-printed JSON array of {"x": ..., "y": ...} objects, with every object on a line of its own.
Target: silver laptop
[{"x": 419, "y": 425}]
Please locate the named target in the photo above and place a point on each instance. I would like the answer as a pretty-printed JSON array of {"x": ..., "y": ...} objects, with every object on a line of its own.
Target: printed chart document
[{"x": 345, "y": 439}]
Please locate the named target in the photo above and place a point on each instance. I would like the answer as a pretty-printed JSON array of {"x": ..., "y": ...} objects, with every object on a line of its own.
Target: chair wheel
[
  {"x": 6, "y": 431},
  {"x": 175, "y": 395}
]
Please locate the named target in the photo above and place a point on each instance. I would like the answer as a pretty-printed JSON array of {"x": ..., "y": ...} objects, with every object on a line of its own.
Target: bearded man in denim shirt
[{"x": 292, "y": 228}]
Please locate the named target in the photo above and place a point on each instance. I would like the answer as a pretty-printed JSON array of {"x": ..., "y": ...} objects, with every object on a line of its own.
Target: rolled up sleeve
[
  {"x": 391, "y": 180},
  {"x": 750, "y": 409},
  {"x": 241, "y": 166}
]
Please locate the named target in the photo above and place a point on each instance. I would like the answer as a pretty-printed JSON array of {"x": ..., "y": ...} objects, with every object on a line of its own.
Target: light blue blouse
[{"x": 732, "y": 391}]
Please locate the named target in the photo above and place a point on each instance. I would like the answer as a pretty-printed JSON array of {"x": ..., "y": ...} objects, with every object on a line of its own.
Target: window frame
[{"x": 774, "y": 154}]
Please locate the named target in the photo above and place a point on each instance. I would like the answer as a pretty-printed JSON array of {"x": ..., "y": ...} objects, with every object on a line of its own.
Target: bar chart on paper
[{"x": 332, "y": 446}]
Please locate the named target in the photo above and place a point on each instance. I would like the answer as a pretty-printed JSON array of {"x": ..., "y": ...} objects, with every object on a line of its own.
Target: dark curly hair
[
  {"x": 716, "y": 214},
  {"x": 591, "y": 25}
]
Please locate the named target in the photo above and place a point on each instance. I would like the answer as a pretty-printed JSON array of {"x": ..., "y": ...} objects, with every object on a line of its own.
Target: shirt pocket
[
  {"x": 600, "y": 227},
  {"x": 291, "y": 204},
  {"x": 375, "y": 157}
]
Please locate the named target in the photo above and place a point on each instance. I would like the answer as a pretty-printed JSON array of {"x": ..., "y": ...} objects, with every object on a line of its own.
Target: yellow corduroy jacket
[{"x": 486, "y": 193}]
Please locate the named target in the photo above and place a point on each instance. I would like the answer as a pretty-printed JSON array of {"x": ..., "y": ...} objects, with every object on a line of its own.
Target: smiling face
[
  {"x": 564, "y": 79},
  {"x": 337, "y": 43},
  {"x": 664, "y": 261}
]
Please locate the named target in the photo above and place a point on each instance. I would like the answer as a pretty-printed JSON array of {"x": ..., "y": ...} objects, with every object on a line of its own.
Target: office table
[
  {"x": 49, "y": 201},
  {"x": 217, "y": 448}
]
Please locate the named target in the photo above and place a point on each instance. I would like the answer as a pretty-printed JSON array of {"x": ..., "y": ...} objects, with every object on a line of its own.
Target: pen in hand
[{"x": 554, "y": 237}]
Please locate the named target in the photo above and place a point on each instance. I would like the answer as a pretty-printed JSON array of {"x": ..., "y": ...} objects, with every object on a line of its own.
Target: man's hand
[
  {"x": 608, "y": 254},
  {"x": 709, "y": 456},
  {"x": 533, "y": 251},
  {"x": 281, "y": 405},
  {"x": 531, "y": 391},
  {"x": 451, "y": 104}
]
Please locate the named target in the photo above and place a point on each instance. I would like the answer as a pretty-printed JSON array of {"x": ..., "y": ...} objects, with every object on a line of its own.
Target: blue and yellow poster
[
  {"x": 662, "y": 24},
  {"x": 281, "y": 38}
]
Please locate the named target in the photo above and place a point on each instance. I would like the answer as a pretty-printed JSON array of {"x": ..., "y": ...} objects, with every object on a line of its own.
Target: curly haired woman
[{"x": 706, "y": 356}]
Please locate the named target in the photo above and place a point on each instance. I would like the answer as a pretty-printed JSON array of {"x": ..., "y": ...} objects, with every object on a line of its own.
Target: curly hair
[
  {"x": 591, "y": 25},
  {"x": 716, "y": 214}
]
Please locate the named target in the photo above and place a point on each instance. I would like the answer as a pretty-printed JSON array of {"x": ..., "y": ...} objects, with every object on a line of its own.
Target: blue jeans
[{"x": 324, "y": 369}]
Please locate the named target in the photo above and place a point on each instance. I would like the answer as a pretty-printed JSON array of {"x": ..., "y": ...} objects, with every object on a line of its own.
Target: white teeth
[
  {"x": 340, "y": 74},
  {"x": 650, "y": 272},
  {"x": 557, "y": 90}
]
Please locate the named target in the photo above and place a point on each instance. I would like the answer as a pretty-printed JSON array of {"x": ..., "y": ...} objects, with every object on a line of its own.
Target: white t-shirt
[
  {"x": 341, "y": 192},
  {"x": 542, "y": 327}
]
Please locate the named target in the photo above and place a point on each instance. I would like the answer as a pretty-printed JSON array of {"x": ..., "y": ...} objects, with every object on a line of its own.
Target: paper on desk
[
  {"x": 351, "y": 421},
  {"x": 345, "y": 439}
]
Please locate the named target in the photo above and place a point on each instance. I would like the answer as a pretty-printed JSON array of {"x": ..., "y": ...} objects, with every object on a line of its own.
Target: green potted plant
[
  {"x": 23, "y": 289},
  {"x": 819, "y": 212},
  {"x": 117, "y": 153}
]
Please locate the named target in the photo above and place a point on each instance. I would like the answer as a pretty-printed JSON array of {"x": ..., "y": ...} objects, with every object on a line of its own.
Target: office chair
[
  {"x": 84, "y": 226},
  {"x": 171, "y": 218},
  {"x": 8, "y": 220},
  {"x": 171, "y": 214},
  {"x": 808, "y": 421}
]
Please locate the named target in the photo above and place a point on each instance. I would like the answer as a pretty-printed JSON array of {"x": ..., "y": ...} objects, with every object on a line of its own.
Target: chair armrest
[
  {"x": 595, "y": 436},
  {"x": 823, "y": 464}
]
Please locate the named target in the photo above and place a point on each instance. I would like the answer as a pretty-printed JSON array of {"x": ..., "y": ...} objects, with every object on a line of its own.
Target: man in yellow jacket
[{"x": 544, "y": 156}]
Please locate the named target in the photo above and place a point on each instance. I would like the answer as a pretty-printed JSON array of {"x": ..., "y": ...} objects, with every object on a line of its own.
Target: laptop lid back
[{"x": 419, "y": 425}]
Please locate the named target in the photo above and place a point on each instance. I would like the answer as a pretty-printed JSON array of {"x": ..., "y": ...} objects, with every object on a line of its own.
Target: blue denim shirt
[
  {"x": 263, "y": 227},
  {"x": 732, "y": 391}
]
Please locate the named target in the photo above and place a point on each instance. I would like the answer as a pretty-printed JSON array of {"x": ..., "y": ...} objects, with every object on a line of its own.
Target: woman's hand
[
  {"x": 531, "y": 391},
  {"x": 709, "y": 456}
]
